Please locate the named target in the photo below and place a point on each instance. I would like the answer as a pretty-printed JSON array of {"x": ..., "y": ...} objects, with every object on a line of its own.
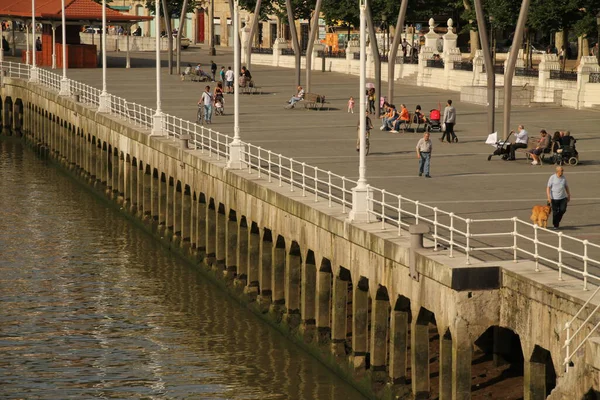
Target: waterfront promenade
[{"x": 463, "y": 180}]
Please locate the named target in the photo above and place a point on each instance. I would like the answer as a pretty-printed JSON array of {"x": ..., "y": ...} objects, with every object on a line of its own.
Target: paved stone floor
[{"x": 463, "y": 180}]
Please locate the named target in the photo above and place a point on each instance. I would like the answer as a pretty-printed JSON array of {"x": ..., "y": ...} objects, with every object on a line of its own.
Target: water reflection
[{"x": 90, "y": 306}]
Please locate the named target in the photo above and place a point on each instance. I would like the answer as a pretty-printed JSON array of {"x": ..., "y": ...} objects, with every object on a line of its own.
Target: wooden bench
[
  {"x": 532, "y": 144},
  {"x": 314, "y": 101}
]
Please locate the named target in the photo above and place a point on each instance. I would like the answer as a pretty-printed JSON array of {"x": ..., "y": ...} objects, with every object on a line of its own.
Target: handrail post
[
  {"x": 291, "y": 174},
  {"x": 560, "y": 265},
  {"x": 585, "y": 264},
  {"x": 280, "y": 173},
  {"x": 467, "y": 248},
  {"x": 417, "y": 212},
  {"x": 316, "y": 185},
  {"x": 567, "y": 346},
  {"x": 537, "y": 259},
  {"x": 435, "y": 228},
  {"x": 329, "y": 190},
  {"x": 451, "y": 235},
  {"x": 515, "y": 235},
  {"x": 303, "y": 179},
  {"x": 399, "y": 215},
  {"x": 383, "y": 209}
]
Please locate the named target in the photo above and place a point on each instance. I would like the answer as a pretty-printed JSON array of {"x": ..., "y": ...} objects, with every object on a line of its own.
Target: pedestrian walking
[
  {"x": 449, "y": 120},
  {"x": 351, "y": 105},
  {"x": 213, "y": 70},
  {"x": 207, "y": 100},
  {"x": 424, "y": 148},
  {"x": 559, "y": 195}
]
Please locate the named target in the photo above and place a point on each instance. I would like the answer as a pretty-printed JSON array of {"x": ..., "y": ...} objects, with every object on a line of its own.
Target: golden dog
[{"x": 539, "y": 215}]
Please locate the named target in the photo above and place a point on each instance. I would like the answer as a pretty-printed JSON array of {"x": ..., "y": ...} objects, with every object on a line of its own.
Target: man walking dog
[{"x": 559, "y": 195}]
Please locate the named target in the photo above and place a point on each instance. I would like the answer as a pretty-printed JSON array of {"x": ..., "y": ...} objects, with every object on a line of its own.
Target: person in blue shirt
[{"x": 559, "y": 195}]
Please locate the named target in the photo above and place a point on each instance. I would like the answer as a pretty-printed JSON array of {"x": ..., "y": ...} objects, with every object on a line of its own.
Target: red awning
[{"x": 75, "y": 10}]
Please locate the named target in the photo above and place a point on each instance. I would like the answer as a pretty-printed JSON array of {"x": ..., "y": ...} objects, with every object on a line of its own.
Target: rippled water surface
[{"x": 92, "y": 307}]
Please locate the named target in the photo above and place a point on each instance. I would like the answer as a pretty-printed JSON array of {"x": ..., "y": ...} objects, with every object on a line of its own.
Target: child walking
[{"x": 351, "y": 105}]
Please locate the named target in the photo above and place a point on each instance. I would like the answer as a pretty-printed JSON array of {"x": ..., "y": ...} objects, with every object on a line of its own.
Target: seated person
[
  {"x": 391, "y": 118},
  {"x": 403, "y": 119},
  {"x": 521, "y": 139},
  {"x": 187, "y": 71},
  {"x": 542, "y": 144},
  {"x": 419, "y": 117},
  {"x": 5, "y": 45},
  {"x": 568, "y": 141},
  {"x": 299, "y": 96}
]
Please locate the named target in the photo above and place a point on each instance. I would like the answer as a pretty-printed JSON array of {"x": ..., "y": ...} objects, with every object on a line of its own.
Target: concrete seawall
[{"x": 361, "y": 296}]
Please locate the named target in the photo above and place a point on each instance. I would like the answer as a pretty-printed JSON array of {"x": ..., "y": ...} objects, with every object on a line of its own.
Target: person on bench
[
  {"x": 539, "y": 149},
  {"x": 298, "y": 97},
  {"x": 521, "y": 139}
]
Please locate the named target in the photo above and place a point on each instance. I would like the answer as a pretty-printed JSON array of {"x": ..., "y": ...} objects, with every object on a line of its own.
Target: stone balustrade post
[
  {"x": 316, "y": 62},
  {"x": 587, "y": 65},
  {"x": 279, "y": 44},
  {"x": 549, "y": 63},
  {"x": 353, "y": 47}
]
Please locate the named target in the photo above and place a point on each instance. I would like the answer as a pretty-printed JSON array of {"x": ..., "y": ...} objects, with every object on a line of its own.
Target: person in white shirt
[
  {"x": 207, "y": 100},
  {"x": 521, "y": 139},
  {"x": 229, "y": 80},
  {"x": 299, "y": 96}
]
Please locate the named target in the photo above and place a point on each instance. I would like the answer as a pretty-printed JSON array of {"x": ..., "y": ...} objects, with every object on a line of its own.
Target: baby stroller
[
  {"x": 501, "y": 146},
  {"x": 219, "y": 105},
  {"x": 434, "y": 123},
  {"x": 567, "y": 153}
]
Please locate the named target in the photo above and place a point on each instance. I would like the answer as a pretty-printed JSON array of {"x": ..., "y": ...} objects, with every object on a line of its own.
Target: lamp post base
[
  {"x": 361, "y": 204},
  {"x": 65, "y": 87},
  {"x": 104, "y": 106},
  {"x": 236, "y": 155},
  {"x": 33, "y": 75},
  {"x": 157, "y": 125}
]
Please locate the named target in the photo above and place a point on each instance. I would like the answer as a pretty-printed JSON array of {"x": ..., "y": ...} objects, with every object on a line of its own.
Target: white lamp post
[
  {"x": 53, "y": 45},
  {"x": 104, "y": 105},
  {"x": 360, "y": 193},
  {"x": 157, "y": 121},
  {"x": 236, "y": 148},
  {"x": 65, "y": 85},
  {"x": 34, "y": 72},
  {"x": 27, "y": 55}
]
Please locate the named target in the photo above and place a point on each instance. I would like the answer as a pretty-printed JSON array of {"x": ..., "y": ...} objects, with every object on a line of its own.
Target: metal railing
[
  {"x": 527, "y": 72},
  {"x": 287, "y": 52},
  {"x": 564, "y": 75},
  {"x": 464, "y": 65},
  {"x": 516, "y": 238},
  {"x": 262, "y": 50},
  {"x": 332, "y": 54},
  {"x": 322, "y": 184},
  {"x": 435, "y": 63},
  {"x": 568, "y": 353},
  {"x": 595, "y": 77},
  {"x": 498, "y": 69}
]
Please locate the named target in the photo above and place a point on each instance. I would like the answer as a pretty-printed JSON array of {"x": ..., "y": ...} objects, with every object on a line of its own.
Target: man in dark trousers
[
  {"x": 559, "y": 195},
  {"x": 449, "y": 120},
  {"x": 213, "y": 70}
]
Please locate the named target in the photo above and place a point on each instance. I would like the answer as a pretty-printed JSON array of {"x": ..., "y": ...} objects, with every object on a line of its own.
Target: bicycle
[{"x": 200, "y": 115}]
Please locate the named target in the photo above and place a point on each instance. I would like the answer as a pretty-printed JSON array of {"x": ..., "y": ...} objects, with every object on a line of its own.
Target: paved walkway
[{"x": 463, "y": 180}]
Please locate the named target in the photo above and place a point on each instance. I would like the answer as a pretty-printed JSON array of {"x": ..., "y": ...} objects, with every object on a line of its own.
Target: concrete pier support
[
  {"x": 360, "y": 324},
  {"x": 380, "y": 314},
  {"x": 133, "y": 186},
  {"x": 231, "y": 245},
  {"x": 103, "y": 173},
  {"x": 397, "y": 370},
  {"x": 278, "y": 277},
  {"x": 323, "y": 302},
  {"x": 293, "y": 277},
  {"x": 154, "y": 196},
  {"x": 210, "y": 232},
  {"x": 445, "y": 365},
  {"x": 177, "y": 212},
  {"x": 221, "y": 237},
  {"x": 170, "y": 219},
  {"x": 242, "y": 253},
  {"x": 308, "y": 293},
  {"x": 419, "y": 343},
  {"x": 121, "y": 179},
  {"x": 186, "y": 216},
  {"x": 162, "y": 203},
  {"x": 265, "y": 265},
  {"x": 147, "y": 192},
  {"x": 462, "y": 350},
  {"x": 201, "y": 225},
  {"x": 252, "y": 260},
  {"x": 535, "y": 374},
  {"x": 338, "y": 314}
]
